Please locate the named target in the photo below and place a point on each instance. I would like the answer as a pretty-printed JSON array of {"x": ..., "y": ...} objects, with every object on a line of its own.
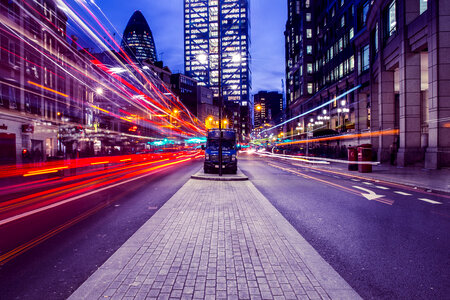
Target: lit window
[
  {"x": 423, "y": 6},
  {"x": 309, "y": 87},
  {"x": 375, "y": 39},
  {"x": 365, "y": 58},
  {"x": 308, "y": 33},
  {"x": 352, "y": 63},
  {"x": 391, "y": 19},
  {"x": 308, "y": 17},
  {"x": 362, "y": 14},
  {"x": 309, "y": 68},
  {"x": 308, "y": 49},
  {"x": 307, "y": 3}
]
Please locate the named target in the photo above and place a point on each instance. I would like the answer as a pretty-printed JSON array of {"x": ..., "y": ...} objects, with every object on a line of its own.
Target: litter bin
[
  {"x": 352, "y": 156},
  {"x": 365, "y": 154}
]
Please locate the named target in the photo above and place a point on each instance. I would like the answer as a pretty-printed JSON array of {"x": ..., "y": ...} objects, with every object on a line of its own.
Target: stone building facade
[
  {"x": 408, "y": 79},
  {"x": 386, "y": 63}
]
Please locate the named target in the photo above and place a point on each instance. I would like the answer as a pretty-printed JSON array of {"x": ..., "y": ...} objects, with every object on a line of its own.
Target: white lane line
[
  {"x": 430, "y": 201},
  {"x": 402, "y": 193},
  {"x": 316, "y": 171},
  {"x": 337, "y": 177},
  {"x": 382, "y": 187},
  {"x": 353, "y": 179},
  {"x": 368, "y": 183}
]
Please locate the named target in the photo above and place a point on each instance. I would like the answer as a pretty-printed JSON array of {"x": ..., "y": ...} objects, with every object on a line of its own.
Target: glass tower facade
[
  {"x": 201, "y": 46},
  {"x": 138, "y": 39}
]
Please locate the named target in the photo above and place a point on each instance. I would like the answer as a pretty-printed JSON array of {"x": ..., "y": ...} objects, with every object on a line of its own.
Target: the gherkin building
[{"x": 138, "y": 40}]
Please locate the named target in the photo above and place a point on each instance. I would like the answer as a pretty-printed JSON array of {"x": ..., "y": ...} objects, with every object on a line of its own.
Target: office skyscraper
[
  {"x": 201, "y": 46},
  {"x": 138, "y": 38}
]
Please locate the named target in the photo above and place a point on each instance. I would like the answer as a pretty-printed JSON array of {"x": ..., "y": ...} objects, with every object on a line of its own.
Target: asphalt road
[
  {"x": 393, "y": 246},
  {"x": 56, "y": 267}
]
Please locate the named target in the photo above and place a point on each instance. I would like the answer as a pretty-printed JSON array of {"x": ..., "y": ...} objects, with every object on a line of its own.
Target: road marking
[
  {"x": 403, "y": 193},
  {"x": 316, "y": 172},
  {"x": 337, "y": 177},
  {"x": 369, "y": 195},
  {"x": 368, "y": 183},
  {"x": 382, "y": 187},
  {"x": 430, "y": 201},
  {"x": 353, "y": 179},
  {"x": 36, "y": 241}
]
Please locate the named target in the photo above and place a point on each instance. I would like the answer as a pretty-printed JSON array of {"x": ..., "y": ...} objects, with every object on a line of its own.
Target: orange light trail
[
  {"x": 48, "y": 89},
  {"x": 85, "y": 187},
  {"x": 101, "y": 109},
  {"x": 100, "y": 162},
  {"x": 44, "y": 171},
  {"x": 128, "y": 120},
  {"x": 344, "y": 137}
]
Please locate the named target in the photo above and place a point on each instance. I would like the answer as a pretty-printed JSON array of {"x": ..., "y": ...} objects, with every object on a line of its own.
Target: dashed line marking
[
  {"x": 316, "y": 172},
  {"x": 353, "y": 179},
  {"x": 430, "y": 201},
  {"x": 337, "y": 177},
  {"x": 382, "y": 187},
  {"x": 368, "y": 183},
  {"x": 403, "y": 193}
]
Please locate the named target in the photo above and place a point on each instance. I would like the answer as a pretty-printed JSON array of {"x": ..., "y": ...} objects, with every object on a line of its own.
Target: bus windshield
[{"x": 214, "y": 145}]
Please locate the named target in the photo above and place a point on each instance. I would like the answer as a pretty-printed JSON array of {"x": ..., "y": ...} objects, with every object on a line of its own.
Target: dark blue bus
[{"x": 229, "y": 151}]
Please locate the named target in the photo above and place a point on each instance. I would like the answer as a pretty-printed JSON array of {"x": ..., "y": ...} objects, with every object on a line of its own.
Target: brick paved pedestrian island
[{"x": 216, "y": 240}]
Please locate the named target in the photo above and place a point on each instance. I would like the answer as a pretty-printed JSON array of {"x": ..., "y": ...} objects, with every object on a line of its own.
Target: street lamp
[
  {"x": 203, "y": 59},
  {"x": 219, "y": 52}
]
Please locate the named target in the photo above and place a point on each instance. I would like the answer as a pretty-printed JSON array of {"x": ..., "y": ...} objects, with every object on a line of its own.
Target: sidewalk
[{"x": 216, "y": 239}]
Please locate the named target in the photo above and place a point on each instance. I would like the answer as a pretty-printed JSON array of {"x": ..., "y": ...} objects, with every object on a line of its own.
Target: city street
[
  {"x": 394, "y": 247},
  {"x": 387, "y": 244},
  {"x": 225, "y": 149}
]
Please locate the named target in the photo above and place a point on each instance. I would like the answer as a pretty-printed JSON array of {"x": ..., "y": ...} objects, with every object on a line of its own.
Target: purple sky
[{"x": 165, "y": 18}]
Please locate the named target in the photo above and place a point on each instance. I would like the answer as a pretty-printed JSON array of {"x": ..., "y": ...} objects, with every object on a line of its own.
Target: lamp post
[
  {"x": 219, "y": 54},
  {"x": 342, "y": 111},
  {"x": 203, "y": 58}
]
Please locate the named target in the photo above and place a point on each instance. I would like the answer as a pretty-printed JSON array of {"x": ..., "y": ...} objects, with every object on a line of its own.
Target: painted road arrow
[{"x": 370, "y": 195}]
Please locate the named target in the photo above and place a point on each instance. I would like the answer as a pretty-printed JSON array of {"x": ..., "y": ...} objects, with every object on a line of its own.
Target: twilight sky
[{"x": 165, "y": 18}]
